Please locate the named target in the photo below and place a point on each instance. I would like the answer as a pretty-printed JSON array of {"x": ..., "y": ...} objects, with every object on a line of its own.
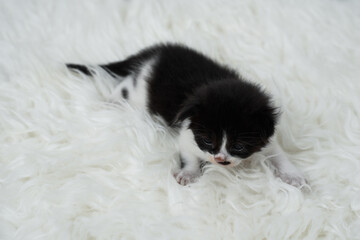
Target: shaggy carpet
[{"x": 74, "y": 166}]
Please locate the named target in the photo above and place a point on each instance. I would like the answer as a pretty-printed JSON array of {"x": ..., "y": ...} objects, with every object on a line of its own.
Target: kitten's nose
[{"x": 221, "y": 159}]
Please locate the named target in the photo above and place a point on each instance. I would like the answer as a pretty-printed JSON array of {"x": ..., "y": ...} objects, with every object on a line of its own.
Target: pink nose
[{"x": 220, "y": 159}]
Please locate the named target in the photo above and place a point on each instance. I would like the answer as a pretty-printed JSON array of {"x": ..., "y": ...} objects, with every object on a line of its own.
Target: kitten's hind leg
[
  {"x": 124, "y": 90},
  {"x": 189, "y": 170}
]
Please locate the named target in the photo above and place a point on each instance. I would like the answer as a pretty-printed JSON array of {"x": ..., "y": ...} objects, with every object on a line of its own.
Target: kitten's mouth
[{"x": 224, "y": 163}]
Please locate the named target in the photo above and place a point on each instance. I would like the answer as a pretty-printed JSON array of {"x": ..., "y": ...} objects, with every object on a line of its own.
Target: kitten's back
[
  {"x": 176, "y": 72},
  {"x": 179, "y": 71}
]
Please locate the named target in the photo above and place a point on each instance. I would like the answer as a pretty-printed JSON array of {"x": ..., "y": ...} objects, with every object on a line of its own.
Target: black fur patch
[
  {"x": 125, "y": 93},
  {"x": 182, "y": 162}
]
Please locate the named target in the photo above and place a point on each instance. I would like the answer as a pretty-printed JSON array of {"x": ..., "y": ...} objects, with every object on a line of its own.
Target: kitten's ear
[{"x": 188, "y": 110}]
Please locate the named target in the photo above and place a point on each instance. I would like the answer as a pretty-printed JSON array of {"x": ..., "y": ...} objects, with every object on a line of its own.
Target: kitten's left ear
[{"x": 188, "y": 110}]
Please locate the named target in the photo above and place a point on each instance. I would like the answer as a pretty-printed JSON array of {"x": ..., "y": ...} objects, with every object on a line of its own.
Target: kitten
[{"x": 218, "y": 115}]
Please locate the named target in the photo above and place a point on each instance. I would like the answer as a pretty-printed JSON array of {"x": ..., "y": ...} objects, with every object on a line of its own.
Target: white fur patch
[
  {"x": 136, "y": 85},
  {"x": 126, "y": 83},
  {"x": 139, "y": 97},
  {"x": 188, "y": 145},
  {"x": 224, "y": 153}
]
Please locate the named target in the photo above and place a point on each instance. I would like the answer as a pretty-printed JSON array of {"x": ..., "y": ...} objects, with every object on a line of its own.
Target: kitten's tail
[
  {"x": 80, "y": 68},
  {"x": 115, "y": 69}
]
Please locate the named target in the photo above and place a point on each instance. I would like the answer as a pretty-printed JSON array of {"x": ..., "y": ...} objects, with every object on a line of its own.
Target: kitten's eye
[
  {"x": 238, "y": 147},
  {"x": 207, "y": 141}
]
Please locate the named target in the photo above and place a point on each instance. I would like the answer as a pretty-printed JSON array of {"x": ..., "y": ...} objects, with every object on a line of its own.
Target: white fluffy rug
[{"x": 73, "y": 166}]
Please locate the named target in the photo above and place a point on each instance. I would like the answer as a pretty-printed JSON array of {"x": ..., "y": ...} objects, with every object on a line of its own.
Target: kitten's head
[{"x": 230, "y": 120}]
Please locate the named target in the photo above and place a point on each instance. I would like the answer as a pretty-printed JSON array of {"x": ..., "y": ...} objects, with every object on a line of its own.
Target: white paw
[
  {"x": 295, "y": 179},
  {"x": 185, "y": 177}
]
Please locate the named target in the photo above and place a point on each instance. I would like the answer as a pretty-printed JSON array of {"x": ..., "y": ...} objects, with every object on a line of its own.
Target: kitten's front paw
[
  {"x": 295, "y": 179},
  {"x": 184, "y": 177}
]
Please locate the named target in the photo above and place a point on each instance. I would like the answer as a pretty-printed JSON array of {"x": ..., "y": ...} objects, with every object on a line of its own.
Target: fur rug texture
[{"x": 74, "y": 166}]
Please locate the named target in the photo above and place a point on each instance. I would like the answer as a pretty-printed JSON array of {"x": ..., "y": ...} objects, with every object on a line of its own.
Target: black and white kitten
[{"x": 219, "y": 116}]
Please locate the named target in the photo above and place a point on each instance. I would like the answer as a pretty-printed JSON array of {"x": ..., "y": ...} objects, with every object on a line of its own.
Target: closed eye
[
  {"x": 207, "y": 141},
  {"x": 238, "y": 147}
]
